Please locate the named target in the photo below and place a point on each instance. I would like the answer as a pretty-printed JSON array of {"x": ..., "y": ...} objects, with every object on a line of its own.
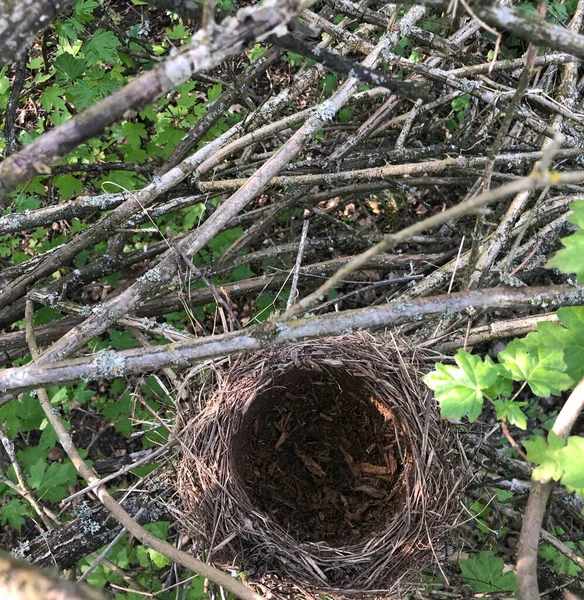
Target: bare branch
[
  {"x": 20, "y": 21},
  {"x": 251, "y": 25},
  {"x": 277, "y": 333}
]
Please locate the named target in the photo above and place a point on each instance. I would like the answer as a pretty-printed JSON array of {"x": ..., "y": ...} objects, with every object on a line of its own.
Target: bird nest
[{"x": 324, "y": 464}]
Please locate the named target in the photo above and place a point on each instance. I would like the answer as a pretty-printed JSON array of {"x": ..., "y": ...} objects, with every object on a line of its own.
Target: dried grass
[{"x": 219, "y": 505}]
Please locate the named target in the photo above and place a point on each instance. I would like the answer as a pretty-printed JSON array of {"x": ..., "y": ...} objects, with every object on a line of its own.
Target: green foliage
[
  {"x": 102, "y": 48},
  {"x": 330, "y": 82},
  {"x": 13, "y": 513},
  {"x": 547, "y": 362},
  {"x": 293, "y": 59},
  {"x": 51, "y": 482},
  {"x": 568, "y": 336},
  {"x": 460, "y": 391},
  {"x": 569, "y": 258},
  {"x": 512, "y": 412},
  {"x": 544, "y": 454},
  {"x": 460, "y": 106},
  {"x": 571, "y": 459},
  {"x": 257, "y": 51},
  {"x": 542, "y": 368},
  {"x": 558, "y": 12},
  {"x": 484, "y": 573},
  {"x": 560, "y": 563}
]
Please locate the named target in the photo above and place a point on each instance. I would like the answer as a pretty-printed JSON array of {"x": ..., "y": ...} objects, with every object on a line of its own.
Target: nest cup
[{"x": 323, "y": 464}]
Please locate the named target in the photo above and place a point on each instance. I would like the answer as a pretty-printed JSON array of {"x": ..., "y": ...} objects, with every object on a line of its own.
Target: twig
[
  {"x": 494, "y": 331},
  {"x": 294, "y": 286},
  {"x": 536, "y": 504},
  {"x": 455, "y": 265},
  {"x": 434, "y": 166},
  {"x": 391, "y": 240},
  {"x": 511, "y": 440},
  {"x": 272, "y": 334},
  {"x": 186, "y": 560},
  {"x": 10, "y": 115}
]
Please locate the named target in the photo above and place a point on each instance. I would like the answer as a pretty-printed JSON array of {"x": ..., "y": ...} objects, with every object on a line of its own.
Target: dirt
[{"x": 320, "y": 457}]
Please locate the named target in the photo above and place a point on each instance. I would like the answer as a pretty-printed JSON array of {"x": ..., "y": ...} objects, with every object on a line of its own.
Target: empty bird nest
[{"x": 324, "y": 464}]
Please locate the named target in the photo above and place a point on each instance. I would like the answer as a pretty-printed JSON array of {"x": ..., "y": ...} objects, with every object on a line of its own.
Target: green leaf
[
  {"x": 178, "y": 32},
  {"x": 52, "y": 97},
  {"x": 122, "y": 340},
  {"x": 330, "y": 82},
  {"x": 158, "y": 529},
  {"x": 68, "y": 186},
  {"x": 558, "y": 11},
  {"x": 345, "y": 114},
  {"x": 82, "y": 95},
  {"x": 83, "y": 10},
  {"x": 158, "y": 560},
  {"x": 293, "y": 59},
  {"x": 13, "y": 513},
  {"x": 560, "y": 563},
  {"x": 503, "y": 386},
  {"x": 543, "y": 367},
  {"x": 193, "y": 215},
  {"x": 544, "y": 454},
  {"x": 102, "y": 48},
  {"x": 56, "y": 480},
  {"x": 571, "y": 459},
  {"x": 134, "y": 133},
  {"x": 23, "y": 202},
  {"x": 570, "y": 337},
  {"x": 214, "y": 92},
  {"x": 35, "y": 63},
  {"x": 569, "y": 258},
  {"x": 461, "y": 102},
  {"x": 68, "y": 67},
  {"x": 511, "y": 411},
  {"x": 4, "y": 81},
  {"x": 37, "y": 472},
  {"x": 222, "y": 241},
  {"x": 257, "y": 52},
  {"x": 99, "y": 577},
  {"x": 460, "y": 390},
  {"x": 484, "y": 572}
]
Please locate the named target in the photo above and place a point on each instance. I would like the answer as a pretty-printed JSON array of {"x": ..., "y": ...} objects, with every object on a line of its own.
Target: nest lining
[{"x": 324, "y": 463}]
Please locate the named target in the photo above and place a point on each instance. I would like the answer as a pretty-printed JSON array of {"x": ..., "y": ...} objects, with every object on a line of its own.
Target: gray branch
[
  {"x": 272, "y": 334},
  {"x": 21, "y": 21}
]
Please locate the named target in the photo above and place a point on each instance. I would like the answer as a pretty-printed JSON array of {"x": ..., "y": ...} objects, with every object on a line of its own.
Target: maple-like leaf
[
  {"x": 571, "y": 459},
  {"x": 102, "y": 48},
  {"x": 542, "y": 367},
  {"x": 460, "y": 390},
  {"x": 545, "y": 455},
  {"x": 569, "y": 258},
  {"x": 568, "y": 335},
  {"x": 484, "y": 572},
  {"x": 511, "y": 411}
]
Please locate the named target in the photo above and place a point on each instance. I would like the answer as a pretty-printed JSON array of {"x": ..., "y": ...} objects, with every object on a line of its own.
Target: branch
[
  {"x": 19, "y": 22},
  {"x": 536, "y": 504},
  {"x": 277, "y": 333},
  {"x": 534, "y": 181},
  {"x": 350, "y": 69},
  {"x": 21, "y": 581},
  {"x": 540, "y": 33},
  {"x": 250, "y": 25},
  {"x": 421, "y": 168},
  {"x": 145, "y": 537}
]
